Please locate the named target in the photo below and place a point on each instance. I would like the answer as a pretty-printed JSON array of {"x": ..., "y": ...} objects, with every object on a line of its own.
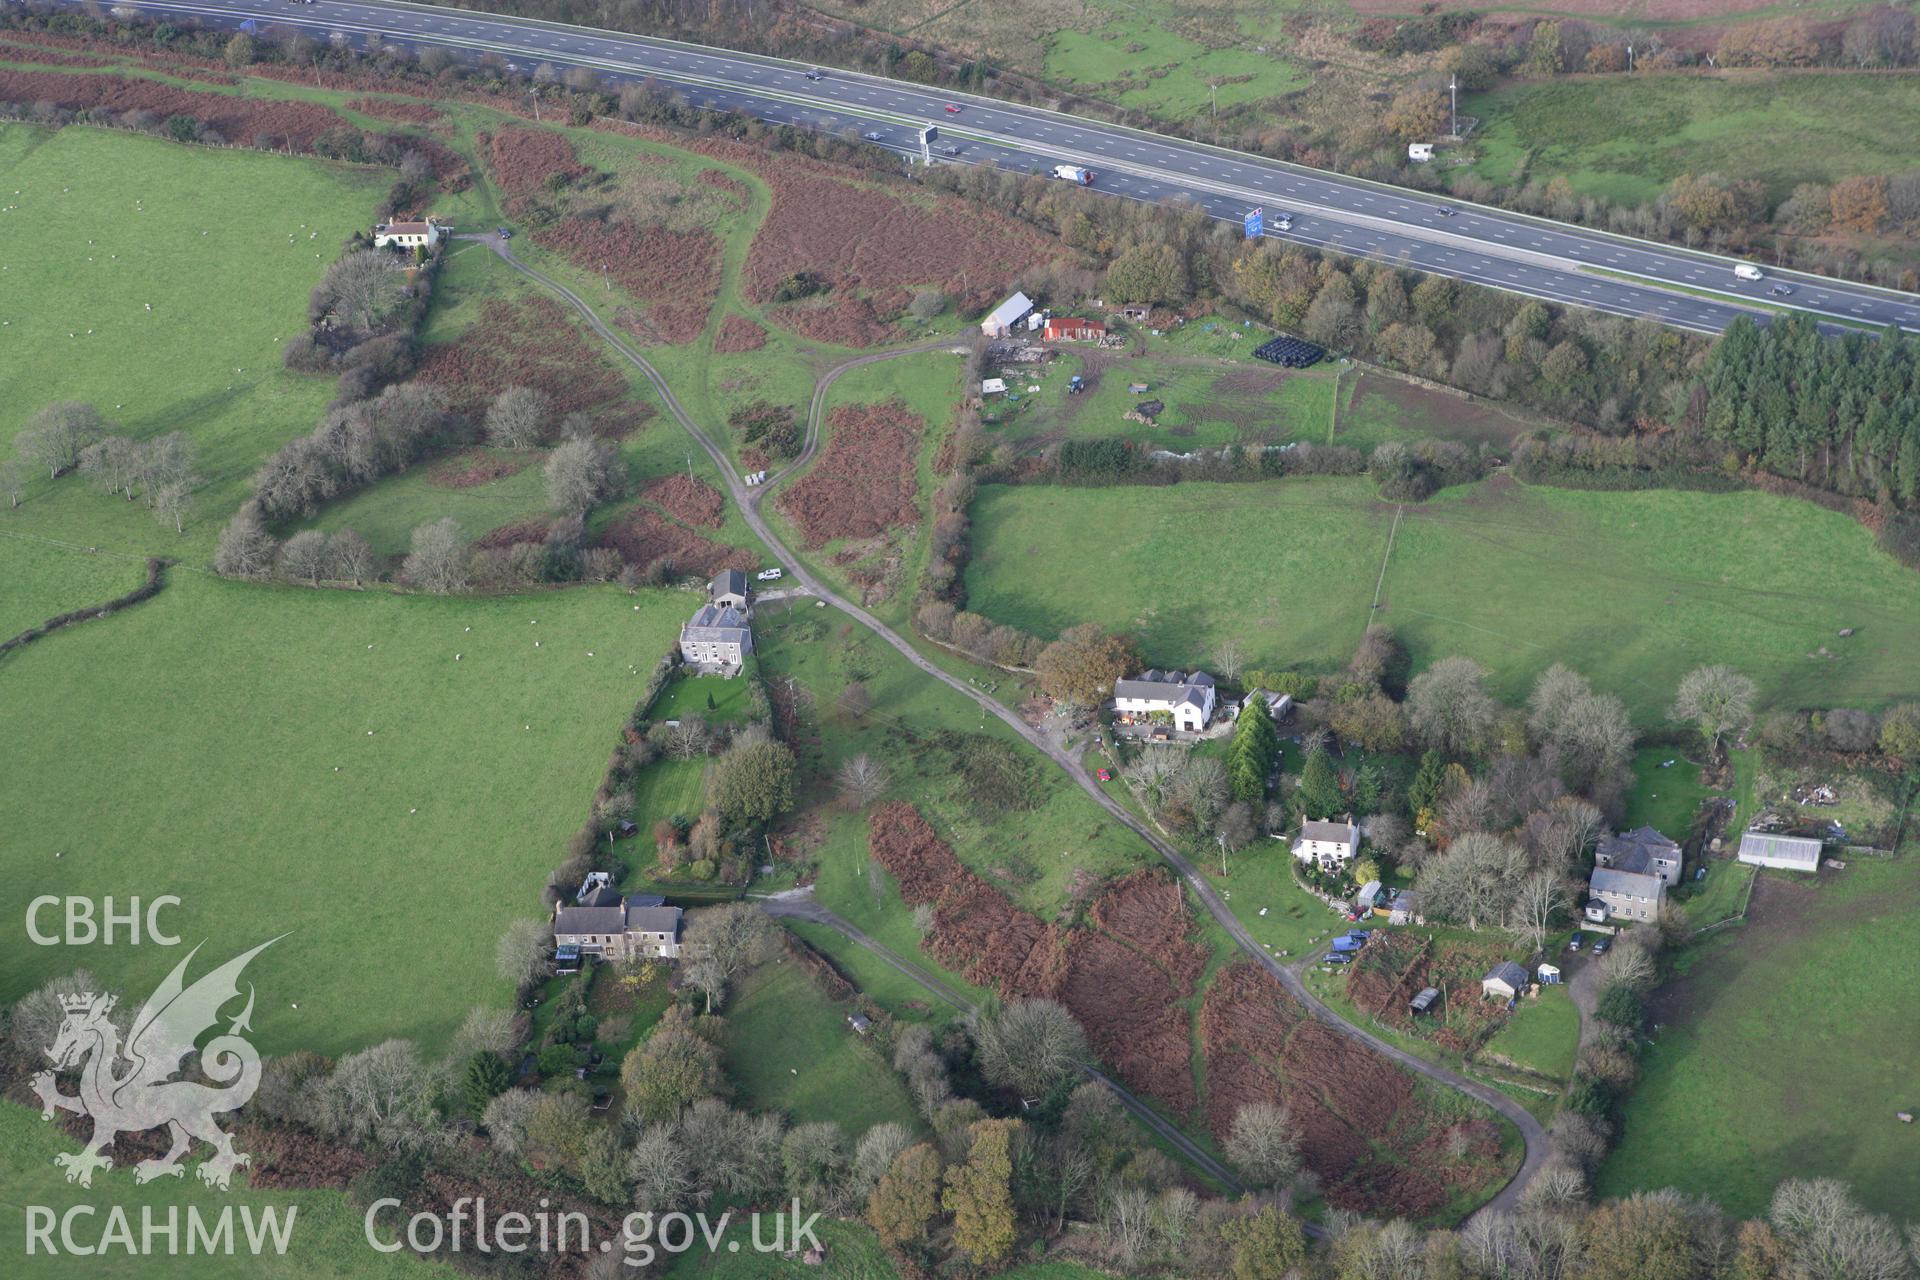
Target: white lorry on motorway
[
  {"x": 1747, "y": 271},
  {"x": 1073, "y": 173}
]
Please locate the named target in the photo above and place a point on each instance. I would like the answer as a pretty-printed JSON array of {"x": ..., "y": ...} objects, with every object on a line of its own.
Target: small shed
[
  {"x": 1406, "y": 908},
  {"x": 1420, "y": 152},
  {"x": 1425, "y": 1000},
  {"x": 993, "y": 387},
  {"x": 860, "y": 1023},
  {"x": 1369, "y": 895},
  {"x": 1548, "y": 974},
  {"x": 1504, "y": 981},
  {"x": 1595, "y": 912},
  {"x": 1137, "y": 388}
]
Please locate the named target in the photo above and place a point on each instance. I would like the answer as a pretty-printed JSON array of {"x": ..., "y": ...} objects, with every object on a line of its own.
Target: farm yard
[
  {"x": 1784, "y": 1048},
  {"x": 1630, "y": 588}
]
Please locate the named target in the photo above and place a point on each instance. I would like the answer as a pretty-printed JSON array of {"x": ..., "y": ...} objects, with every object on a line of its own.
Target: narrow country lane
[{"x": 1538, "y": 1144}]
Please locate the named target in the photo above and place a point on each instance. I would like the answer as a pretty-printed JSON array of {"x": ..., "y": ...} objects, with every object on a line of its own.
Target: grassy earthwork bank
[
  {"x": 1632, "y": 589},
  {"x": 320, "y": 765},
  {"x": 1785, "y": 1048}
]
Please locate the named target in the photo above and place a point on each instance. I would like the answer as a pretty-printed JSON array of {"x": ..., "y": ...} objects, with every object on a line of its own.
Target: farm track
[{"x": 1533, "y": 1134}]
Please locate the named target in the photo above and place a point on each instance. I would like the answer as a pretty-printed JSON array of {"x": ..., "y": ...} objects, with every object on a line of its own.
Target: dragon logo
[{"x": 131, "y": 1088}]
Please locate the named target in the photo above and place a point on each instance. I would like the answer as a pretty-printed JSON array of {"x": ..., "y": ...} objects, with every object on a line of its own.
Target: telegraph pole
[{"x": 1453, "y": 95}]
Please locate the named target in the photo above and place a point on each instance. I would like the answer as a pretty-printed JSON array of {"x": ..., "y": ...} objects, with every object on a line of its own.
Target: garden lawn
[
  {"x": 1541, "y": 1035},
  {"x": 43, "y": 580},
  {"x": 1785, "y": 1048},
  {"x": 1666, "y": 799},
  {"x": 1626, "y": 138},
  {"x": 318, "y": 765},
  {"x": 789, "y": 1048},
  {"x": 109, "y": 222},
  {"x": 1632, "y": 589},
  {"x": 327, "y": 1236}
]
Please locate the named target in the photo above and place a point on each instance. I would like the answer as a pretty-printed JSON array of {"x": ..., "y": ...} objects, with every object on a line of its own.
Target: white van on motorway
[{"x": 1747, "y": 271}]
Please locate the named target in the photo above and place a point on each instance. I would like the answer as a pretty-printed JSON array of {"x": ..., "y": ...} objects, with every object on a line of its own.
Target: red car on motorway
[{"x": 953, "y": 109}]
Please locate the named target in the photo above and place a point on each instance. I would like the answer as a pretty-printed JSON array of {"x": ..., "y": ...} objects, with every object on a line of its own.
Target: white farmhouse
[
  {"x": 424, "y": 233},
  {"x": 1330, "y": 844},
  {"x": 1185, "y": 698}
]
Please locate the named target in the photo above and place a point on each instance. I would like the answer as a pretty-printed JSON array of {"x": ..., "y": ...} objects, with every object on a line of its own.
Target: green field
[
  {"x": 45, "y": 580},
  {"x": 1626, "y": 138},
  {"x": 1136, "y": 62},
  {"x": 789, "y": 1049},
  {"x": 1632, "y": 589},
  {"x": 1785, "y": 1048},
  {"x": 327, "y": 1238},
  {"x": 316, "y": 764},
  {"x": 108, "y": 222},
  {"x": 1209, "y": 401}
]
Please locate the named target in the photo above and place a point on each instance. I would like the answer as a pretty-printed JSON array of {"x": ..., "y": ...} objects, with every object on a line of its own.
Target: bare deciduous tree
[
  {"x": 1473, "y": 881},
  {"x": 303, "y": 557},
  {"x": 1230, "y": 658},
  {"x": 1264, "y": 1145},
  {"x": 171, "y": 503},
  {"x": 506, "y": 1119},
  {"x": 582, "y": 473},
  {"x": 362, "y": 288},
  {"x": 438, "y": 559},
  {"x": 1832, "y": 1237},
  {"x": 721, "y": 942},
  {"x": 518, "y": 417},
  {"x": 349, "y": 558},
  {"x": 1541, "y": 897},
  {"x": 1715, "y": 700},
  {"x": 861, "y": 780},
  {"x": 245, "y": 549},
  {"x": 1449, "y": 706},
  {"x": 56, "y": 436},
  {"x": 384, "y": 1096},
  {"x": 1029, "y": 1045},
  {"x": 13, "y": 479},
  {"x": 521, "y": 954},
  {"x": 660, "y": 1170}
]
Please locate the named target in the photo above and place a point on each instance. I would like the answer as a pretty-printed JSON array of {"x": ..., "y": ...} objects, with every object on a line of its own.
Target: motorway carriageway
[{"x": 1533, "y": 257}]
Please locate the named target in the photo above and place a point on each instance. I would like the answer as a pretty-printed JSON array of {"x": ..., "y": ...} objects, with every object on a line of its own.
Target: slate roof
[
  {"x": 1508, "y": 972},
  {"x": 1342, "y": 832},
  {"x": 654, "y": 920},
  {"x": 578, "y": 920},
  {"x": 717, "y": 623},
  {"x": 1636, "y": 850},
  {"x": 728, "y": 582},
  {"x": 1172, "y": 687},
  {"x": 1629, "y": 884}
]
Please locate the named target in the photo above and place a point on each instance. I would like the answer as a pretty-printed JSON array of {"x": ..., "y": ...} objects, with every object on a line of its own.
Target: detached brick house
[{"x": 636, "y": 927}]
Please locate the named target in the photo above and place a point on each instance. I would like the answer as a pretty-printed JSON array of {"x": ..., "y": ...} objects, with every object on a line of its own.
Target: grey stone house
[
  {"x": 719, "y": 638},
  {"x": 1628, "y": 895},
  {"x": 1643, "y": 851},
  {"x": 636, "y": 927}
]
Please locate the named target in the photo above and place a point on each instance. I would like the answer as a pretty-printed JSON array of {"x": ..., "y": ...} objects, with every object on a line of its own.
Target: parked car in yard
[
  {"x": 769, "y": 575},
  {"x": 1600, "y": 945},
  {"x": 1105, "y": 775},
  {"x": 1573, "y": 943}
]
